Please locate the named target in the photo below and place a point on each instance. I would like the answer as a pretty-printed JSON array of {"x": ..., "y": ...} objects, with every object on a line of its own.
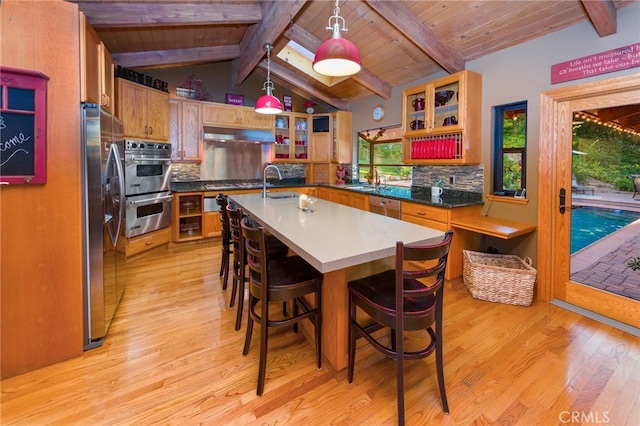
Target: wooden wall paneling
[{"x": 41, "y": 238}]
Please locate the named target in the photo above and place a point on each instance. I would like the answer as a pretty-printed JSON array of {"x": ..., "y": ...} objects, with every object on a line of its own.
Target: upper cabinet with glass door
[
  {"x": 292, "y": 137},
  {"x": 441, "y": 120}
]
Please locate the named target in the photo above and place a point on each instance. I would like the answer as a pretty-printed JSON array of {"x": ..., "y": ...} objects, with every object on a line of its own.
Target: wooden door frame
[{"x": 556, "y": 117}]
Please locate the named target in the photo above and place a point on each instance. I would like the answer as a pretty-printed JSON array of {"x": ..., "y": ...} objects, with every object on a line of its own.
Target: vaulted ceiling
[{"x": 399, "y": 41}]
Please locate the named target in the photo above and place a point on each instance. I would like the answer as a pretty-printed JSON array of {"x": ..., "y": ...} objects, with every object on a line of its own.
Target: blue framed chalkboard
[{"x": 23, "y": 126}]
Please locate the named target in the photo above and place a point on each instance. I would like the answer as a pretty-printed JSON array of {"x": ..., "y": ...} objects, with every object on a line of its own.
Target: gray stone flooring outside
[{"x": 604, "y": 264}]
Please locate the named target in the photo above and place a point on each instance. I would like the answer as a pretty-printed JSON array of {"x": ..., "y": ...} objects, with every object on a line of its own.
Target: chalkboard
[{"x": 23, "y": 127}]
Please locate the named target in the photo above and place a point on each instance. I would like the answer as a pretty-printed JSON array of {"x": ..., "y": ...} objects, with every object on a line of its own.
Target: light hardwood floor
[{"x": 172, "y": 357}]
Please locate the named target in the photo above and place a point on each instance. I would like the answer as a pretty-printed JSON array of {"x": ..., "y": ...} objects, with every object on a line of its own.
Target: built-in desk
[
  {"x": 493, "y": 227},
  {"x": 466, "y": 227}
]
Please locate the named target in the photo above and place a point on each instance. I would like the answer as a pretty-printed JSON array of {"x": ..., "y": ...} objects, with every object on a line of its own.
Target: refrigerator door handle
[
  {"x": 121, "y": 192},
  {"x": 113, "y": 158}
]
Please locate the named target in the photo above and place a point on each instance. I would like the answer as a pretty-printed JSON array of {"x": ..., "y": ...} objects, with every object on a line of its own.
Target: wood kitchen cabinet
[
  {"x": 292, "y": 138},
  {"x": 441, "y": 120},
  {"x": 185, "y": 130},
  {"x": 345, "y": 197},
  {"x": 96, "y": 68},
  {"x": 440, "y": 219},
  {"x": 336, "y": 145},
  {"x": 186, "y": 215},
  {"x": 341, "y": 137},
  {"x": 331, "y": 148},
  {"x": 143, "y": 110},
  {"x": 211, "y": 225},
  {"x": 215, "y": 114}
]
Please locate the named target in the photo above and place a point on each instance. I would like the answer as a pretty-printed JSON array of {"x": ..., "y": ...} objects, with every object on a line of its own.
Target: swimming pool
[{"x": 589, "y": 224}]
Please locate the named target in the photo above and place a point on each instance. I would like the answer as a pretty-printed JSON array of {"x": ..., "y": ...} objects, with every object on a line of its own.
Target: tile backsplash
[
  {"x": 467, "y": 178},
  {"x": 185, "y": 172}
]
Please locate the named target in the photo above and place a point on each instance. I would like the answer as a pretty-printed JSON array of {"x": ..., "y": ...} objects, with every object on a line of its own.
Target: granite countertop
[{"x": 450, "y": 198}]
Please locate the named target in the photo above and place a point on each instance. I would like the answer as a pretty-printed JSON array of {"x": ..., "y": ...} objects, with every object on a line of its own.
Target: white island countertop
[{"x": 334, "y": 236}]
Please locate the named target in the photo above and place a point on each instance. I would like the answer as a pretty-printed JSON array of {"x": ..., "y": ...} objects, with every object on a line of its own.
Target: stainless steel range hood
[{"x": 224, "y": 134}]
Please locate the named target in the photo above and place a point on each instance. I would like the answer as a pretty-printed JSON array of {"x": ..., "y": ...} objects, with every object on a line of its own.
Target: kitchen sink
[
  {"x": 276, "y": 195},
  {"x": 362, "y": 188}
]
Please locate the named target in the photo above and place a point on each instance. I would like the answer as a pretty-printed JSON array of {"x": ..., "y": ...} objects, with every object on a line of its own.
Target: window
[
  {"x": 510, "y": 149},
  {"x": 381, "y": 149}
]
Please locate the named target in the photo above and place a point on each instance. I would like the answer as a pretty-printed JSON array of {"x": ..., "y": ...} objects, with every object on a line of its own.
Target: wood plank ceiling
[{"x": 398, "y": 41}]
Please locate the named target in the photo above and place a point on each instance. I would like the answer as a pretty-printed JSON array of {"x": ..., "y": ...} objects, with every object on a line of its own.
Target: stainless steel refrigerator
[{"x": 103, "y": 220}]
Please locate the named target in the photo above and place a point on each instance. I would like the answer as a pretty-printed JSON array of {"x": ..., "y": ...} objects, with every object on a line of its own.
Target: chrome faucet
[{"x": 264, "y": 178}]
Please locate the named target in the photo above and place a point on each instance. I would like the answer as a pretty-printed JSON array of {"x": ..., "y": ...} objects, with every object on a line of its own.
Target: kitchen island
[{"x": 343, "y": 243}]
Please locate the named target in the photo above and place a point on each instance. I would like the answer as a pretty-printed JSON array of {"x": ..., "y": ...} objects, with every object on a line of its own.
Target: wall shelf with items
[
  {"x": 447, "y": 130},
  {"x": 446, "y": 147}
]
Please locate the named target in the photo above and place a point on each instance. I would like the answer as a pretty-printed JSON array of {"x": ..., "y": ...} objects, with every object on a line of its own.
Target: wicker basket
[{"x": 499, "y": 277}]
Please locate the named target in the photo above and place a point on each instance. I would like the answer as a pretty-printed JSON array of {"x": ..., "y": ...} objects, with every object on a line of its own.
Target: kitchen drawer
[
  {"x": 148, "y": 241},
  {"x": 418, "y": 220},
  {"x": 426, "y": 212}
]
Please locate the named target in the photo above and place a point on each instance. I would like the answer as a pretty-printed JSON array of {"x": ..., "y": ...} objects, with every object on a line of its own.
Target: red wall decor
[
  {"x": 23, "y": 126},
  {"x": 612, "y": 60}
]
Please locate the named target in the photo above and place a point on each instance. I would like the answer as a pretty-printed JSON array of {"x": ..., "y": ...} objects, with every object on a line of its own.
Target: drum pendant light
[
  {"x": 337, "y": 57},
  {"x": 268, "y": 104}
]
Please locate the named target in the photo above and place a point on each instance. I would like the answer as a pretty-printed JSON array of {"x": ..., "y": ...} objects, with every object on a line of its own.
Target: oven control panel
[{"x": 160, "y": 149}]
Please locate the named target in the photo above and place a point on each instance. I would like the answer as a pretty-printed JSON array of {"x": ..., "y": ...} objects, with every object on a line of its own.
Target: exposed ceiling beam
[
  {"x": 602, "y": 14},
  {"x": 406, "y": 22},
  {"x": 276, "y": 17},
  {"x": 168, "y": 58},
  {"x": 294, "y": 82},
  {"x": 110, "y": 14},
  {"x": 364, "y": 77}
]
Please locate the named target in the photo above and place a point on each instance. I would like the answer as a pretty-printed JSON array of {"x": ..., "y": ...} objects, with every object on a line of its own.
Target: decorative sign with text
[
  {"x": 23, "y": 126},
  {"x": 287, "y": 103},
  {"x": 235, "y": 99},
  {"x": 140, "y": 78},
  {"x": 618, "y": 59}
]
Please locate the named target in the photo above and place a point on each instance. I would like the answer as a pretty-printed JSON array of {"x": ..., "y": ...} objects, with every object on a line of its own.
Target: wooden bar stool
[
  {"x": 227, "y": 242},
  {"x": 405, "y": 299},
  {"x": 278, "y": 280},
  {"x": 275, "y": 249}
]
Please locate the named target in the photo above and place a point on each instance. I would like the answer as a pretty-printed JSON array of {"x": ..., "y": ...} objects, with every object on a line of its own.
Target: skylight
[{"x": 302, "y": 59}]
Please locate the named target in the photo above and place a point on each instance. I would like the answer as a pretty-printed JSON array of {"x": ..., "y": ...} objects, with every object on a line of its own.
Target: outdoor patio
[{"x": 603, "y": 265}]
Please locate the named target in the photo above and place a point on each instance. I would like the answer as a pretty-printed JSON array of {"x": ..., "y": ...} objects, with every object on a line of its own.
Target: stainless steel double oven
[{"x": 147, "y": 176}]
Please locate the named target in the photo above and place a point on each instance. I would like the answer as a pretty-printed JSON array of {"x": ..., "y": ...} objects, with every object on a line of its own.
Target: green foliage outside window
[
  {"x": 510, "y": 147},
  {"x": 611, "y": 156},
  {"x": 387, "y": 159}
]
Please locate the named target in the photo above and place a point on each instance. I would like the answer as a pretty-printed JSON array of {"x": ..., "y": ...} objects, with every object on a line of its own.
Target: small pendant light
[
  {"x": 337, "y": 57},
  {"x": 268, "y": 104}
]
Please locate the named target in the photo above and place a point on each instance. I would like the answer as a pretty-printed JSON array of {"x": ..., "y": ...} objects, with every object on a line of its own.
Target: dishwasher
[{"x": 384, "y": 206}]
